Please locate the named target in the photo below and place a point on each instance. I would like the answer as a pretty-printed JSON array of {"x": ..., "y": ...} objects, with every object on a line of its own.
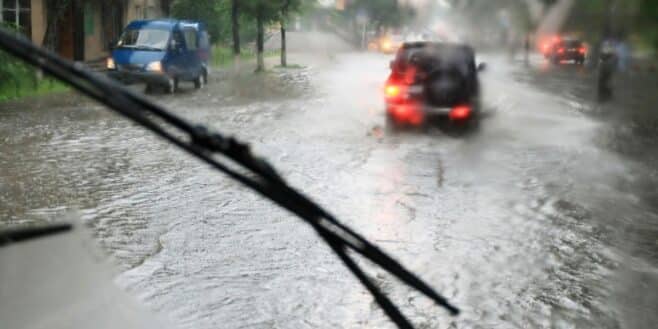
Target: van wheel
[
  {"x": 205, "y": 76},
  {"x": 199, "y": 82},
  {"x": 172, "y": 85}
]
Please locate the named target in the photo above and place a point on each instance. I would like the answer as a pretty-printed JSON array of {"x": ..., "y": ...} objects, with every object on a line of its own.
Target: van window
[
  {"x": 144, "y": 39},
  {"x": 204, "y": 41},
  {"x": 191, "y": 39},
  {"x": 178, "y": 39}
]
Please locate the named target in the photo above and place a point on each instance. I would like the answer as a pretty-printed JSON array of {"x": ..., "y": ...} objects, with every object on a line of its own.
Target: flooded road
[{"x": 534, "y": 221}]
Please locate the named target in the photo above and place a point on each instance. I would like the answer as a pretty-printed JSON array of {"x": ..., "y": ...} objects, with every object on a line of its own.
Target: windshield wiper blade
[
  {"x": 145, "y": 47},
  {"x": 139, "y": 47},
  {"x": 205, "y": 144}
]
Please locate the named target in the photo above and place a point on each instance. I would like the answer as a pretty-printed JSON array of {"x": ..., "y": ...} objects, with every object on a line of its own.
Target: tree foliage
[
  {"x": 616, "y": 18},
  {"x": 217, "y": 16},
  {"x": 12, "y": 70},
  {"x": 381, "y": 13}
]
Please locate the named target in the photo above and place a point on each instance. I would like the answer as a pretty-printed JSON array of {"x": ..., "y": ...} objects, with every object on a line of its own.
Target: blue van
[{"x": 161, "y": 53}]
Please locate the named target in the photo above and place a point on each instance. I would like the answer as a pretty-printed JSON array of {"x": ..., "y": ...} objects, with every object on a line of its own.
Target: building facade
[{"x": 87, "y": 26}]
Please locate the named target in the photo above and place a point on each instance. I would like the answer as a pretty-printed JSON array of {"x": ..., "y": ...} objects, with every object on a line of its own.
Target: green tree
[
  {"x": 235, "y": 27},
  {"x": 382, "y": 13},
  {"x": 287, "y": 8},
  {"x": 12, "y": 70},
  {"x": 264, "y": 12},
  {"x": 214, "y": 13},
  {"x": 226, "y": 21}
]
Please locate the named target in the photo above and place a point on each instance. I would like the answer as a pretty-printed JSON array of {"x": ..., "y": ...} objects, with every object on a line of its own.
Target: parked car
[{"x": 161, "y": 53}]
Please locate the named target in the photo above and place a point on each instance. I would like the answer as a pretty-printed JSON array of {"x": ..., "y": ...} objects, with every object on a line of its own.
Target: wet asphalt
[{"x": 544, "y": 217}]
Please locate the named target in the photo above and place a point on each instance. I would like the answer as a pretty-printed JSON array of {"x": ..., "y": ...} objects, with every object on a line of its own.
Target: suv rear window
[
  {"x": 446, "y": 52},
  {"x": 573, "y": 44}
]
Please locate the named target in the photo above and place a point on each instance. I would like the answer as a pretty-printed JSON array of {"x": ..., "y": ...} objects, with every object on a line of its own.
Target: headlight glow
[
  {"x": 154, "y": 67},
  {"x": 110, "y": 64}
]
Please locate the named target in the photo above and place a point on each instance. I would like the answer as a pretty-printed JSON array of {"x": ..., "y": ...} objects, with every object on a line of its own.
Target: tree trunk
[
  {"x": 235, "y": 16},
  {"x": 260, "y": 42},
  {"x": 284, "y": 59},
  {"x": 283, "y": 21}
]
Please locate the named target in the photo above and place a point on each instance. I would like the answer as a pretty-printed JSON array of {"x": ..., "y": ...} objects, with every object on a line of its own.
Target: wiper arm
[{"x": 205, "y": 144}]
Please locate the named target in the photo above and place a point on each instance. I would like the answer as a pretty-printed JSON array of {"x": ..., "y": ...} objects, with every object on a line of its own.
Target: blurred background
[{"x": 544, "y": 217}]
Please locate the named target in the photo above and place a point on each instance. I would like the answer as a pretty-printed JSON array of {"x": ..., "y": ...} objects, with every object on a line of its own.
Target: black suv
[
  {"x": 567, "y": 50},
  {"x": 432, "y": 80}
]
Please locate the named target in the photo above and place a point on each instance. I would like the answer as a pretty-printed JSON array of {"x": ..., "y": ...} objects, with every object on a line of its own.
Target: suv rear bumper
[{"x": 570, "y": 56}]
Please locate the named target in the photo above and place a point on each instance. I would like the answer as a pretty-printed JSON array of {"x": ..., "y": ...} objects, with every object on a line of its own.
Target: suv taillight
[{"x": 461, "y": 112}]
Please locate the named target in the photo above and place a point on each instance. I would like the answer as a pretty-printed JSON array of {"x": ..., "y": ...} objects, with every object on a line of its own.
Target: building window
[{"x": 17, "y": 13}]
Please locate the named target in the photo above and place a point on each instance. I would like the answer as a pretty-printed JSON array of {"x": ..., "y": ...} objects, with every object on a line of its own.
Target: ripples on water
[{"x": 523, "y": 225}]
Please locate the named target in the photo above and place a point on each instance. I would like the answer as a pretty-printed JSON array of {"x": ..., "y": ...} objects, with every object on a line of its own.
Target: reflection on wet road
[{"x": 522, "y": 224}]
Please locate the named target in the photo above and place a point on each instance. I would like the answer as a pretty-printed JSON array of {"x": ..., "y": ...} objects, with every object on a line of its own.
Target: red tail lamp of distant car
[
  {"x": 461, "y": 112},
  {"x": 561, "y": 50},
  {"x": 547, "y": 42},
  {"x": 582, "y": 50}
]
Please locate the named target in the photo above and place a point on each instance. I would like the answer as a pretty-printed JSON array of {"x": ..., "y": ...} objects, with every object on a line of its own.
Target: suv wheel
[{"x": 392, "y": 126}]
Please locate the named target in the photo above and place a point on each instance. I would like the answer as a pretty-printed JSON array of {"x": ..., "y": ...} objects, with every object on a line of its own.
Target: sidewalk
[{"x": 630, "y": 119}]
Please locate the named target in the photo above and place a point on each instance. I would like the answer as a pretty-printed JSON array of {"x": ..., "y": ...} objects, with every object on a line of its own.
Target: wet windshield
[
  {"x": 144, "y": 39},
  {"x": 287, "y": 164}
]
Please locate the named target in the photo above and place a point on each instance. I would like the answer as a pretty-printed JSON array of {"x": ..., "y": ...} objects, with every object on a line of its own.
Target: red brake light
[
  {"x": 561, "y": 50},
  {"x": 582, "y": 50},
  {"x": 460, "y": 112},
  {"x": 407, "y": 112}
]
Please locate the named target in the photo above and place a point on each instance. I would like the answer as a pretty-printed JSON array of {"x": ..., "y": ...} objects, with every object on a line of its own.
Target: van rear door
[
  {"x": 193, "y": 64},
  {"x": 204, "y": 47}
]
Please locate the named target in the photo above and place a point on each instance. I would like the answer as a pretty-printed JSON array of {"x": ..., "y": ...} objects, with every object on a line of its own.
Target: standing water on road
[
  {"x": 521, "y": 223},
  {"x": 535, "y": 219}
]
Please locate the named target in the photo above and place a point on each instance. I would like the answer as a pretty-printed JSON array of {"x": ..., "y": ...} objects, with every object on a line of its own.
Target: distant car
[
  {"x": 391, "y": 43},
  {"x": 546, "y": 44},
  {"x": 567, "y": 50},
  {"x": 431, "y": 80},
  {"x": 161, "y": 53}
]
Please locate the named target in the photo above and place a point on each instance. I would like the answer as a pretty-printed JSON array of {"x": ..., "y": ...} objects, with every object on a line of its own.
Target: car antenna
[{"x": 205, "y": 145}]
